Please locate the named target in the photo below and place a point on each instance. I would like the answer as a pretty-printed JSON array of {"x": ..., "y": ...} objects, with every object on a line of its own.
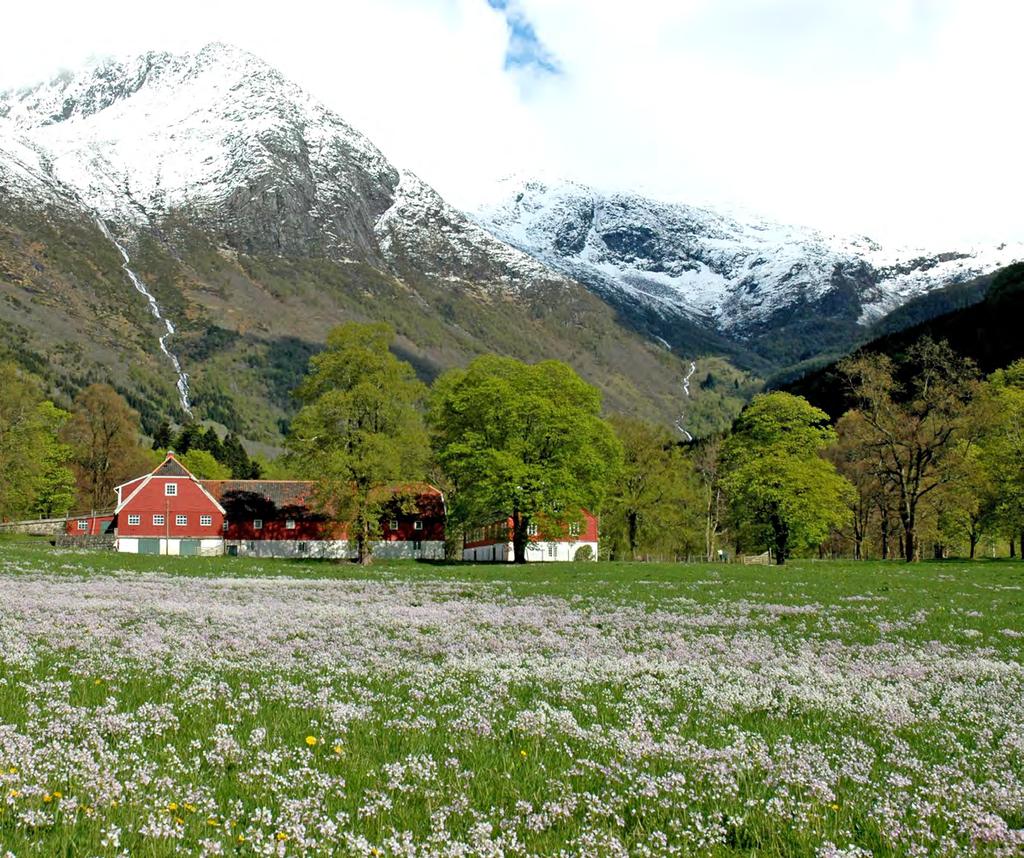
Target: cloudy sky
[{"x": 898, "y": 118}]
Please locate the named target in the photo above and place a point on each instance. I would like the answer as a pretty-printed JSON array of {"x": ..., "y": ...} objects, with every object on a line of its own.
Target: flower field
[{"x": 157, "y": 706}]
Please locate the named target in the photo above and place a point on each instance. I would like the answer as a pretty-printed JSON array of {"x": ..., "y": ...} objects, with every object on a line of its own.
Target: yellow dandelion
[
  {"x": 281, "y": 835},
  {"x": 57, "y": 794},
  {"x": 834, "y": 806},
  {"x": 173, "y": 806},
  {"x": 47, "y": 798},
  {"x": 191, "y": 808},
  {"x": 212, "y": 821},
  {"x": 12, "y": 771},
  {"x": 375, "y": 851},
  {"x": 338, "y": 750},
  {"x": 179, "y": 820},
  {"x": 14, "y": 793},
  {"x": 311, "y": 741},
  {"x": 241, "y": 838},
  {"x": 522, "y": 754},
  {"x": 97, "y": 682}
]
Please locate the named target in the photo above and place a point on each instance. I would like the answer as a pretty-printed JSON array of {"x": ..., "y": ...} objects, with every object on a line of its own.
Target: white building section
[
  {"x": 536, "y": 552},
  {"x": 336, "y": 549}
]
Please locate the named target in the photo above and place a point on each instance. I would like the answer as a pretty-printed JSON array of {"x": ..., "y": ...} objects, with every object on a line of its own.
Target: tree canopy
[
  {"x": 776, "y": 477},
  {"x": 103, "y": 434},
  {"x": 35, "y": 479},
  {"x": 524, "y": 441},
  {"x": 360, "y": 428}
]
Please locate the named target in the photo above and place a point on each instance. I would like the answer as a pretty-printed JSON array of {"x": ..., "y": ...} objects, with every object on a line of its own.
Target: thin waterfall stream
[{"x": 154, "y": 307}]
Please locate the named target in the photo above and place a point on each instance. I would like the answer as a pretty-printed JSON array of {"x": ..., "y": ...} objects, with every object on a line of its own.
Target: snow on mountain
[
  {"x": 247, "y": 153},
  {"x": 24, "y": 173},
  {"x": 419, "y": 220},
  {"x": 732, "y": 274}
]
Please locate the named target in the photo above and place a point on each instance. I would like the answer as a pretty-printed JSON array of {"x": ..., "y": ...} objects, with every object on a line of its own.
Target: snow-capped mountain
[
  {"x": 224, "y": 136},
  {"x": 197, "y": 222},
  {"x": 735, "y": 274}
]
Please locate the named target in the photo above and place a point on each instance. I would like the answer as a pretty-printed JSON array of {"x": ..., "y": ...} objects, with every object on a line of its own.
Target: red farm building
[
  {"x": 574, "y": 540},
  {"x": 169, "y": 511}
]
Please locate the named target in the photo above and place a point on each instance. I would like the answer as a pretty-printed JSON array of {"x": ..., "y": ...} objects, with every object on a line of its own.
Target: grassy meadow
[{"x": 161, "y": 706}]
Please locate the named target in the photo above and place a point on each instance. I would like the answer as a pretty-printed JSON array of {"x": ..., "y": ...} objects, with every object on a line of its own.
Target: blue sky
[
  {"x": 525, "y": 49},
  {"x": 894, "y": 118}
]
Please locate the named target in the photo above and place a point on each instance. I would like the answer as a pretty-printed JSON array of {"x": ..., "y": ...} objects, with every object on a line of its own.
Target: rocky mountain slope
[
  {"x": 786, "y": 293},
  {"x": 209, "y": 191},
  {"x": 189, "y": 227},
  {"x": 987, "y": 331}
]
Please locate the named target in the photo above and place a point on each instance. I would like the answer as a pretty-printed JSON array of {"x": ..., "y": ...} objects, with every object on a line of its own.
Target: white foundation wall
[
  {"x": 211, "y": 547},
  {"x": 337, "y": 549},
  {"x": 536, "y": 552}
]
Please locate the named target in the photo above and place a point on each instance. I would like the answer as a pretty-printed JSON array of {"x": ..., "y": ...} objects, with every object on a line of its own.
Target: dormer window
[{"x": 170, "y": 489}]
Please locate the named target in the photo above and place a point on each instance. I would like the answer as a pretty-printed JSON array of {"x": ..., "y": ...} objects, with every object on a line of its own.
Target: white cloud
[{"x": 893, "y": 117}]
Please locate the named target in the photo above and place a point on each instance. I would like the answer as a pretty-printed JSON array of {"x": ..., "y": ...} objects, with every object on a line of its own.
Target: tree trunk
[
  {"x": 909, "y": 543},
  {"x": 632, "y": 520},
  {"x": 781, "y": 533},
  {"x": 1013, "y": 549},
  {"x": 520, "y": 537},
  {"x": 885, "y": 536},
  {"x": 365, "y": 554},
  {"x": 974, "y": 544}
]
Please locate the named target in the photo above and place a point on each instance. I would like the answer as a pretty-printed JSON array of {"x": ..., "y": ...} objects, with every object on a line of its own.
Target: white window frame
[
  {"x": 417, "y": 525},
  {"x": 158, "y": 520},
  {"x": 181, "y": 520},
  {"x": 257, "y": 524},
  {"x": 532, "y": 530},
  {"x": 170, "y": 490},
  {"x": 134, "y": 520},
  {"x": 224, "y": 526},
  {"x": 83, "y": 524},
  {"x": 205, "y": 520},
  {"x": 574, "y": 528},
  {"x": 393, "y": 524},
  {"x": 289, "y": 524},
  {"x": 552, "y": 549}
]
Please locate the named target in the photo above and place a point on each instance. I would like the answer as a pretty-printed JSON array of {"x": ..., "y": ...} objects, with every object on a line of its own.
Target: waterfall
[
  {"x": 686, "y": 394},
  {"x": 154, "y": 308}
]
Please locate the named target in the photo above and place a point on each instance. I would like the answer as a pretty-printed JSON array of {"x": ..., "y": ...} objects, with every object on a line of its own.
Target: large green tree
[
  {"x": 1001, "y": 448},
  {"x": 776, "y": 477},
  {"x": 103, "y": 434},
  {"x": 360, "y": 429},
  {"x": 911, "y": 420},
  {"x": 34, "y": 477},
  {"x": 648, "y": 498},
  {"x": 522, "y": 440}
]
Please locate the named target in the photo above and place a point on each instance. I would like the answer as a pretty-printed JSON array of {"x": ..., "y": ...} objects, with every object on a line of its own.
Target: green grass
[{"x": 558, "y": 708}]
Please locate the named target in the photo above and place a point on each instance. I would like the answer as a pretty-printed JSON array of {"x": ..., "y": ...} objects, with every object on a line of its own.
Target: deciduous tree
[
  {"x": 776, "y": 476},
  {"x": 34, "y": 477},
  {"x": 522, "y": 440},
  {"x": 103, "y": 434},
  {"x": 360, "y": 429},
  {"x": 646, "y": 497},
  {"x": 911, "y": 424}
]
